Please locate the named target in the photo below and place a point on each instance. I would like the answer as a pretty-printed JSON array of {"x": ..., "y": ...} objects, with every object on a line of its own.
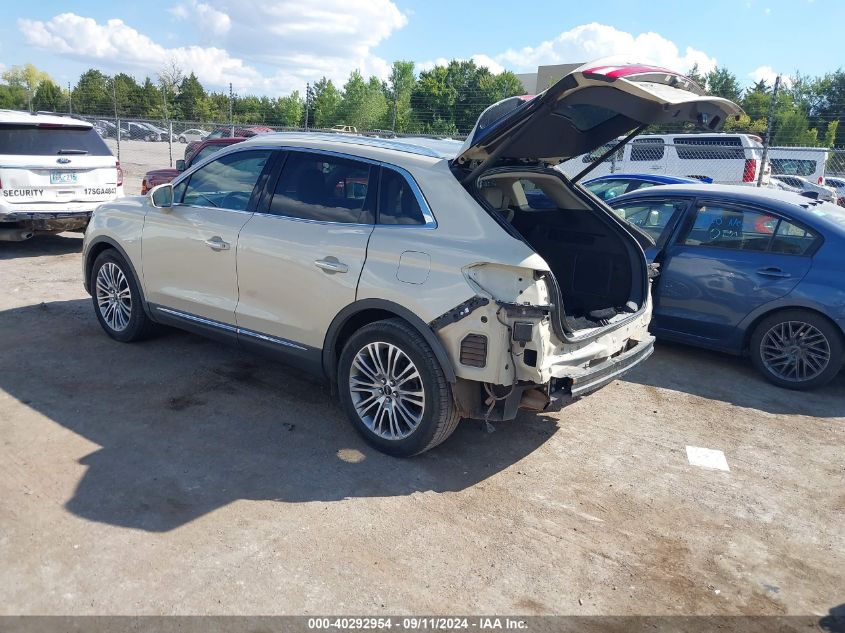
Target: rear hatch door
[
  {"x": 592, "y": 105},
  {"x": 55, "y": 163}
]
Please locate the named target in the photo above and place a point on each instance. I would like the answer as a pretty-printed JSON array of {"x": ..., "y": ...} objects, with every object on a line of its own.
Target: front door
[
  {"x": 300, "y": 258},
  {"x": 727, "y": 261},
  {"x": 188, "y": 250}
]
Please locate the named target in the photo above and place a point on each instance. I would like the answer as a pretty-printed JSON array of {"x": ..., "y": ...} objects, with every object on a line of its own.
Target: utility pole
[
  {"x": 307, "y": 103},
  {"x": 116, "y": 119},
  {"x": 231, "y": 111},
  {"x": 394, "y": 80},
  {"x": 69, "y": 99},
  {"x": 768, "y": 139}
]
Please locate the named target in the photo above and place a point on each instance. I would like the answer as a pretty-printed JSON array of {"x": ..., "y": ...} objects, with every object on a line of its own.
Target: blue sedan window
[{"x": 731, "y": 227}]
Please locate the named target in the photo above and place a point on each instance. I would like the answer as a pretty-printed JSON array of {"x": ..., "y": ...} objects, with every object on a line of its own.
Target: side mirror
[
  {"x": 161, "y": 197},
  {"x": 180, "y": 165}
]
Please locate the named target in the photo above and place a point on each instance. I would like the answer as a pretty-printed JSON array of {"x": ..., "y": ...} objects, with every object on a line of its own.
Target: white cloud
[
  {"x": 593, "y": 41},
  {"x": 769, "y": 75},
  {"x": 123, "y": 47},
  {"x": 259, "y": 46},
  {"x": 207, "y": 18}
]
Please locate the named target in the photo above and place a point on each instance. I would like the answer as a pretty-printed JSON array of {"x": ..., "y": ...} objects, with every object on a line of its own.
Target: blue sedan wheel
[{"x": 797, "y": 349}]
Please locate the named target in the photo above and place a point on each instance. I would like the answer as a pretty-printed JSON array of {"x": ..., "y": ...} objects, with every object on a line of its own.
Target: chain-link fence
[{"x": 718, "y": 158}]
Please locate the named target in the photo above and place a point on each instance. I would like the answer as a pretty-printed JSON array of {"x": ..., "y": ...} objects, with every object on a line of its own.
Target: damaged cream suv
[{"x": 427, "y": 282}]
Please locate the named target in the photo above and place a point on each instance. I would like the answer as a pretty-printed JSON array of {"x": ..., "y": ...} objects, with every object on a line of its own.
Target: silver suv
[{"x": 426, "y": 281}]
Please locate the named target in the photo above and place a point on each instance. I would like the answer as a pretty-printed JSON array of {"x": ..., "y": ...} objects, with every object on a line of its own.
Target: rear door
[
  {"x": 46, "y": 165},
  {"x": 300, "y": 257},
  {"x": 727, "y": 260}
]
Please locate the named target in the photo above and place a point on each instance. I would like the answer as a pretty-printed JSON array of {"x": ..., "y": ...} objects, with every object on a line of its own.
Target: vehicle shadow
[
  {"x": 187, "y": 425},
  {"x": 733, "y": 379},
  {"x": 42, "y": 245}
]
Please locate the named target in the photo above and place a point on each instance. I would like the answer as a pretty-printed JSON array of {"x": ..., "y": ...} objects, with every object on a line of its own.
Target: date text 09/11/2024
[{"x": 417, "y": 623}]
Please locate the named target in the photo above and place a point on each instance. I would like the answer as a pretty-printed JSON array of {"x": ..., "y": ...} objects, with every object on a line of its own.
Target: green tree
[
  {"x": 723, "y": 83},
  {"x": 150, "y": 103},
  {"x": 49, "y": 97},
  {"x": 398, "y": 93},
  {"x": 694, "y": 73},
  {"x": 326, "y": 104},
  {"x": 27, "y": 77},
  {"x": 13, "y": 97},
  {"x": 128, "y": 94},
  {"x": 92, "y": 94},
  {"x": 289, "y": 111},
  {"x": 191, "y": 99}
]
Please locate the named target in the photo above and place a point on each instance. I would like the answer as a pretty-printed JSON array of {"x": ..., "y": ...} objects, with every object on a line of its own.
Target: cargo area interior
[{"x": 596, "y": 266}]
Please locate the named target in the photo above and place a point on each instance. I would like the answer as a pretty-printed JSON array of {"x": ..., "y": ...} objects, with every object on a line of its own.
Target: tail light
[
  {"x": 119, "y": 173},
  {"x": 144, "y": 187},
  {"x": 821, "y": 180},
  {"x": 750, "y": 170}
]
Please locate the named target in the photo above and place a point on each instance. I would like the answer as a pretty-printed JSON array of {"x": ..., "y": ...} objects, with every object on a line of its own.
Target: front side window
[
  {"x": 325, "y": 188},
  {"x": 732, "y": 227},
  {"x": 227, "y": 182},
  {"x": 397, "y": 202}
]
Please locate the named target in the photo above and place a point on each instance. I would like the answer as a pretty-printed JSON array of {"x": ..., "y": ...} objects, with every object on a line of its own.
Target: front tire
[
  {"x": 394, "y": 391},
  {"x": 797, "y": 349},
  {"x": 117, "y": 299}
]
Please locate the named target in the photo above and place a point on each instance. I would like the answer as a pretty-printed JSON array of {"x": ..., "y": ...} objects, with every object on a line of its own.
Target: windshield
[
  {"x": 205, "y": 152},
  {"x": 28, "y": 140}
]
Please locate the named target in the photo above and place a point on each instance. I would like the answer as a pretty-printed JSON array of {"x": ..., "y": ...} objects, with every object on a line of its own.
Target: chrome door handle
[
  {"x": 216, "y": 243},
  {"x": 331, "y": 265},
  {"x": 772, "y": 271}
]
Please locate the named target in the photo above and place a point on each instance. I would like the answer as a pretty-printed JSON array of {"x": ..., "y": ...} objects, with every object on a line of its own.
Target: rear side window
[
  {"x": 325, "y": 188},
  {"x": 28, "y": 140},
  {"x": 710, "y": 148},
  {"x": 397, "y": 202},
  {"x": 647, "y": 149},
  {"x": 227, "y": 182},
  {"x": 791, "y": 239}
]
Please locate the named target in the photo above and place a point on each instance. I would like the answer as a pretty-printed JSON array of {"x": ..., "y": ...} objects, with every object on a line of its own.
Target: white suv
[
  {"x": 54, "y": 171},
  {"x": 415, "y": 277}
]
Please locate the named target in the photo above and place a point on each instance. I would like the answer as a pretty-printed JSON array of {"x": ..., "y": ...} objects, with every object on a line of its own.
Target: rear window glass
[
  {"x": 27, "y": 140},
  {"x": 709, "y": 148},
  {"x": 397, "y": 202},
  {"x": 583, "y": 116},
  {"x": 793, "y": 167}
]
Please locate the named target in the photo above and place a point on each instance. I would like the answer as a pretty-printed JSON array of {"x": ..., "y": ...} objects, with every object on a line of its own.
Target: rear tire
[
  {"x": 797, "y": 349},
  {"x": 394, "y": 391},
  {"x": 118, "y": 302}
]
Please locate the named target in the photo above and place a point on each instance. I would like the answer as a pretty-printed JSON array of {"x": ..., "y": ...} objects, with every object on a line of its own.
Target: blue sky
[{"x": 273, "y": 47}]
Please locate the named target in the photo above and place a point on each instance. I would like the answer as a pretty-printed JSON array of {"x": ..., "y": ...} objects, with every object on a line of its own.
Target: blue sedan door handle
[{"x": 773, "y": 271}]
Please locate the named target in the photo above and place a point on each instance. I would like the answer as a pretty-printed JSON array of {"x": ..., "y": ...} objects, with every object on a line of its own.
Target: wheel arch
[
  {"x": 755, "y": 320},
  {"x": 99, "y": 245},
  {"x": 366, "y": 311}
]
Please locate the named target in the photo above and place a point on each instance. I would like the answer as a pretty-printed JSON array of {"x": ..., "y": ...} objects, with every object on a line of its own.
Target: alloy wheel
[
  {"x": 795, "y": 351},
  {"x": 387, "y": 390},
  {"x": 114, "y": 298}
]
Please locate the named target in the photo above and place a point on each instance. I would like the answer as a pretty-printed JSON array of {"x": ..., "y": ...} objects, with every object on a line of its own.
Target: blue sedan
[
  {"x": 615, "y": 185},
  {"x": 748, "y": 271}
]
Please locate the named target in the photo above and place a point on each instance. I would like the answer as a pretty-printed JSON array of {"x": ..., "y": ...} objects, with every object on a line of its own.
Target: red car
[
  {"x": 201, "y": 150},
  {"x": 225, "y": 131}
]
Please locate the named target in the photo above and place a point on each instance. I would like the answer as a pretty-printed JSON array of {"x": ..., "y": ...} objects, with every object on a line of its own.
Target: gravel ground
[{"x": 182, "y": 476}]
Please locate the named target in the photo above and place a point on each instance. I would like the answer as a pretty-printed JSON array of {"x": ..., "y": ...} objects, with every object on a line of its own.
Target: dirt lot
[
  {"x": 181, "y": 476},
  {"x": 138, "y": 157}
]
